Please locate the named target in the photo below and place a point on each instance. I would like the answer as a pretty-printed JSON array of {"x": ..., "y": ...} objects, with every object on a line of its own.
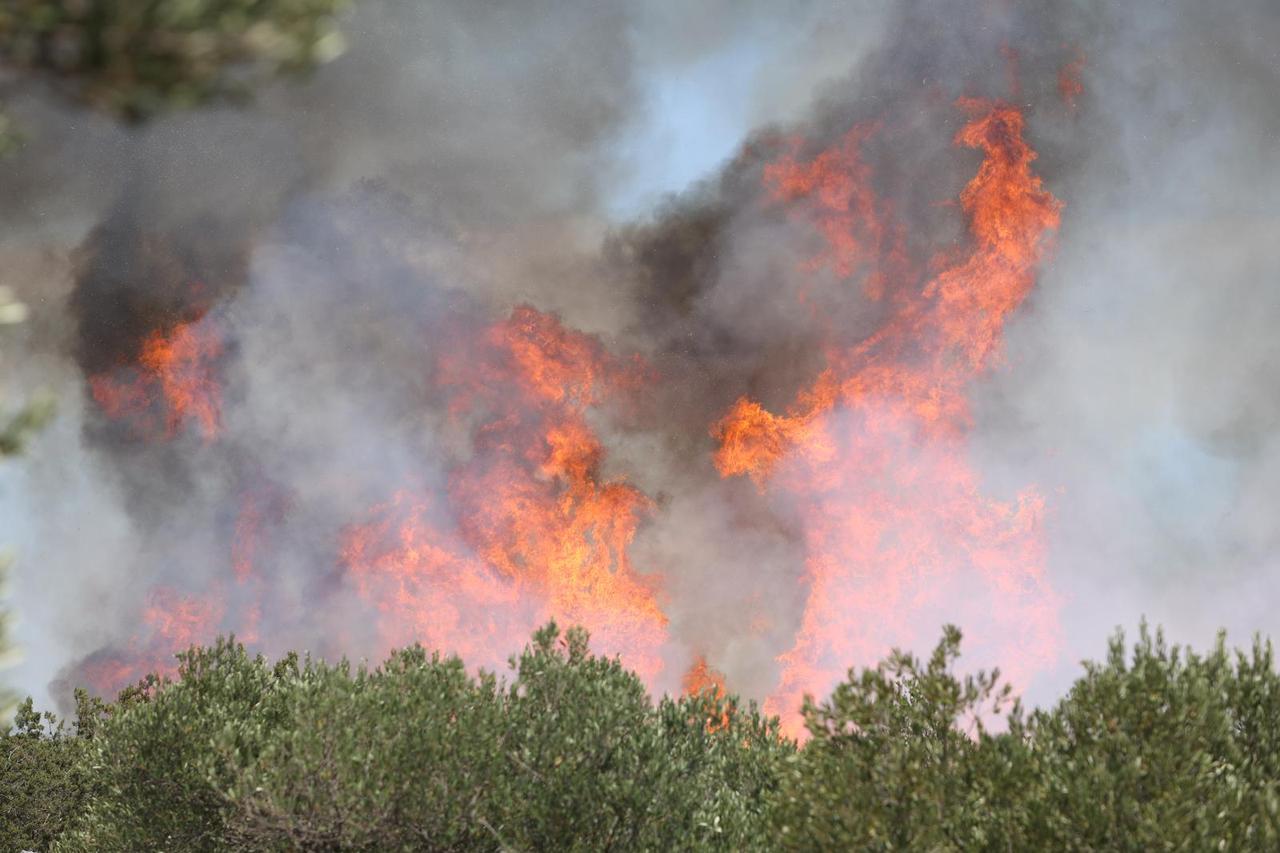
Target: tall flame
[
  {"x": 896, "y": 526},
  {"x": 530, "y": 530}
]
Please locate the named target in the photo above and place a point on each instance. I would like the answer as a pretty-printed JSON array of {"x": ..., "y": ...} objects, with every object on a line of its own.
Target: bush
[
  {"x": 45, "y": 780},
  {"x": 1167, "y": 750},
  {"x": 417, "y": 755},
  {"x": 1160, "y": 749}
]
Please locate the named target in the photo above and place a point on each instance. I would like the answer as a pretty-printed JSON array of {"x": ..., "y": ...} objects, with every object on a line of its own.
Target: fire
[
  {"x": 897, "y": 530},
  {"x": 845, "y": 212},
  {"x": 529, "y": 529},
  {"x": 527, "y": 523},
  {"x": 180, "y": 620},
  {"x": 702, "y": 679},
  {"x": 173, "y": 383},
  {"x": 526, "y": 529},
  {"x": 247, "y": 536},
  {"x": 1069, "y": 85},
  {"x": 261, "y": 509},
  {"x": 171, "y": 622},
  {"x": 426, "y": 590}
]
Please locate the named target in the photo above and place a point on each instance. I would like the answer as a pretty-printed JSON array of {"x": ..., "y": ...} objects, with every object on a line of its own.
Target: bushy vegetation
[
  {"x": 1153, "y": 749},
  {"x": 237, "y": 754},
  {"x": 1160, "y": 749},
  {"x": 135, "y": 59}
]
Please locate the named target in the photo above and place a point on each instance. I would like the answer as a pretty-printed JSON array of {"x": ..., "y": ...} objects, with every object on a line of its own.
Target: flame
[
  {"x": 1070, "y": 86},
  {"x": 701, "y": 679},
  {"x": 173, "y": 383},
  {"x": 845, "y": 212},
  {"x": 896, "y": 527},
  {"x": 526, "y": 530},
  {"x": 181, "y": 620},
  {"x": 261, "y": 509},
  {"x": 247, "y": 537},
  {"x": 426, "y": 589},
  {"x": 530, "y": 530},
  {"x": 171, "y": 622}
]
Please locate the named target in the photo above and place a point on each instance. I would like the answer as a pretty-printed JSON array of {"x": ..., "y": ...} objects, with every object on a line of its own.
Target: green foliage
[
  {"x": 1166, "y": 750},
  {"x": 26, "y": 422},
  {"x": 135, "y": 58},
  {"x": 892, "y": 762},
  {"x": 1158, "y": 750},
  {"x": 10, "y": 139},
  {"x": 417, "y": 755},
  {"x": 44, "y": 777}
]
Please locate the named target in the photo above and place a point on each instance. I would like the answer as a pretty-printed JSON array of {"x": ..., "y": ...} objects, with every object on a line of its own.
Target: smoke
[{"x": 343, "y": 235}]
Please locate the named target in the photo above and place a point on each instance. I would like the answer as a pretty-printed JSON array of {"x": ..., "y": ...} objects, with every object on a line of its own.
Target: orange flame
[
  {"x": 174, "y": 381},
  {"x": 531, "y": 531},
  {"x": 1069, "y": 85},
  {"x": 845, "y": 211},
  {"x": 897, "y": 530},
  {"x": 246, "y": 538},
  {"x": 425, "y": 589},
  {"x": 701, "y": 679},
  {"x": 172, "y": 622}
]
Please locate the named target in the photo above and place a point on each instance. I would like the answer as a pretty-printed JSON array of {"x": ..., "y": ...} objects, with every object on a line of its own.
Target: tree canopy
[
  {"x": 1154, "y": 748},
  {"x": 135, "y": 59}
]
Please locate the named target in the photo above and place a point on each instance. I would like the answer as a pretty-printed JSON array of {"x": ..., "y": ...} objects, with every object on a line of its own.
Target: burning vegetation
[
  {"x": 733, "y": 440},
  {"x": 528, "y": 520},
  {"x": 893, "y": 515},
  {"x": 396, "y": 366}
]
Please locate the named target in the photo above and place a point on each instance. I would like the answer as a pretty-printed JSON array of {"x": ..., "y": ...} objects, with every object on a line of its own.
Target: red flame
[
  {"x": 702, "y": 679},
  {"x": 1069, "y": 85},
  {"x": 172, "y": 622},
  {"x": 897, "y": 528},
  {"x": 530, "y": 529},
  {"x": 529, "y": 525},
  {"x": 527, "y": 528},
  {"x": 426, "y": 590},
  {"x": 844, "y": 209},
  {"x": 173, "y": 383}
]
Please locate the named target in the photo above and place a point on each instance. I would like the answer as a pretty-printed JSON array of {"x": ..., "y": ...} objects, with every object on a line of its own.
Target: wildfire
[
  {"x": 527, "y": 524},
  {"x": 896, "y": 527},
  {"x": 1069, "y": 85},
  {"x": 529, "y": 531},
  {"x": 171, "y": 622},
  {"x": 845, "y": 212},
  {"x": 425, "y": 590},
  {"x": 173, "y": 383},
  {"x": 701, "y": 679}
]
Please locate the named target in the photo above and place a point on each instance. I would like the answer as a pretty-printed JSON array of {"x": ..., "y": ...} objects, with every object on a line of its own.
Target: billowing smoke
[{"x": 336, "y": 369}]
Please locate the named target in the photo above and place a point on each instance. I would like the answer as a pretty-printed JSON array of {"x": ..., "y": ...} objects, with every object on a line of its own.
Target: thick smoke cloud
[
  {"x": 435, "y": 155},
  {"x": 463, "y": 158}
]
